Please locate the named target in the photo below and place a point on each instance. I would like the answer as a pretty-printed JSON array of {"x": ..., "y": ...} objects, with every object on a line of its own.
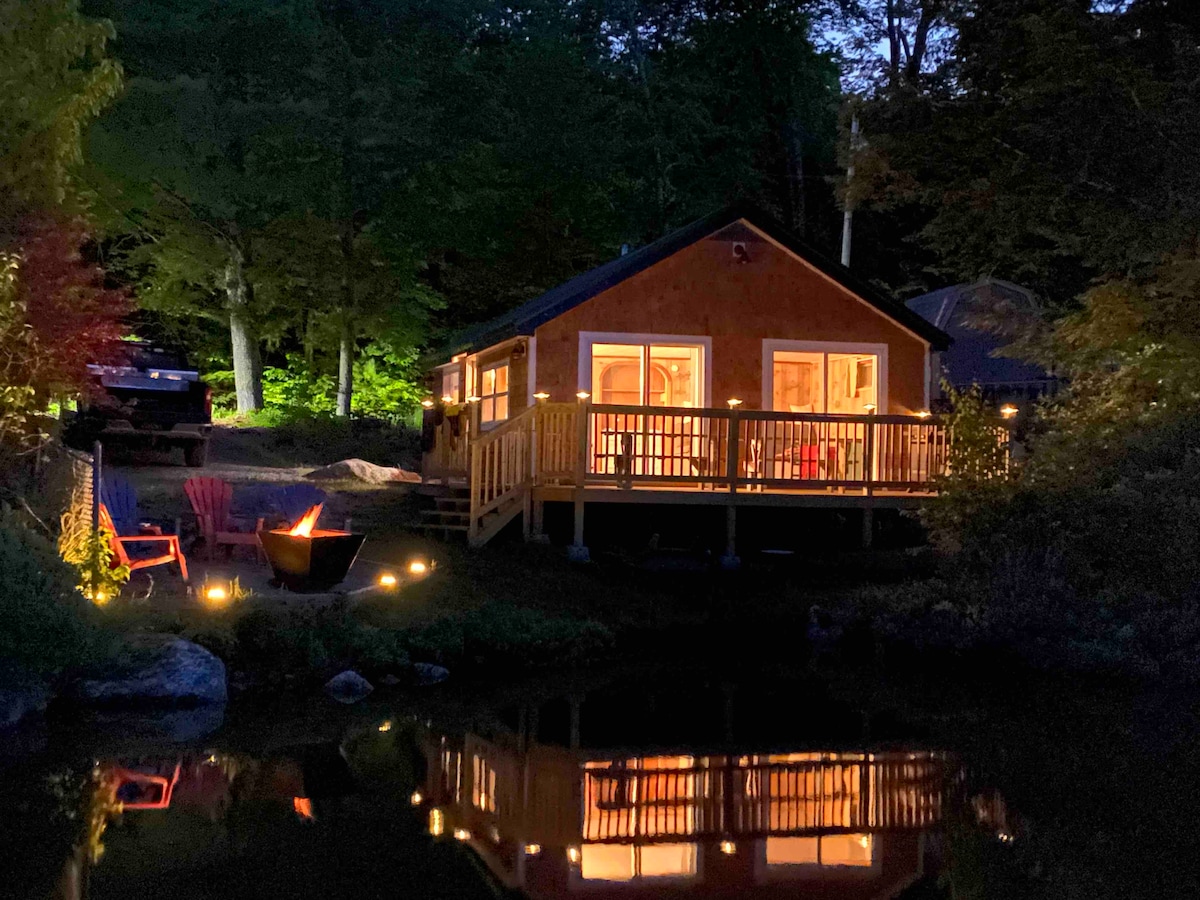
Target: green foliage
[{"x": 45, "y": 623}]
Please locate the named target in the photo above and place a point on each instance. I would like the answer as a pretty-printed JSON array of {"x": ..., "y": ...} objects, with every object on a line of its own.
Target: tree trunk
[
  {"x": 345, "y": 369},
  {"x": 247, "y": 363},
  {"x": 794, "y": 148}
]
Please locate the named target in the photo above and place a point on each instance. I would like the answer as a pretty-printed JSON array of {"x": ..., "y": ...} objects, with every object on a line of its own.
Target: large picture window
[
  {"x": 816, "y": 380},
  {"x": 647, "y": 375},
  {"x": 493, "y": 393}
]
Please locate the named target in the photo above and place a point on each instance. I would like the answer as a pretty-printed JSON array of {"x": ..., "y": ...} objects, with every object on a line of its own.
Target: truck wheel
[{"x": 196, "y": 455}]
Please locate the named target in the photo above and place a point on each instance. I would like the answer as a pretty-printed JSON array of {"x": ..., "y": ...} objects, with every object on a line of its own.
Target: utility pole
[{"x": 848, "y": 213}]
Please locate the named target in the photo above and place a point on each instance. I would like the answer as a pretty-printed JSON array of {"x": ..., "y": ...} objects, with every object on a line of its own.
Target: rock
[
  {"x": 348, "y": 687},
  {"x": 157, "y": 668},
  {"x": 361, "y": 470},
  {"x": 428, "y": 673},
  {"x": 390, "y": 680},
  {"x": 20, "y": 697}
]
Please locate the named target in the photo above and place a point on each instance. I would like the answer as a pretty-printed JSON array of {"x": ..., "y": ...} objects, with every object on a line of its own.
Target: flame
[
  {"x": 303, "y": 808},
  {"x": 308, "y": 521}
]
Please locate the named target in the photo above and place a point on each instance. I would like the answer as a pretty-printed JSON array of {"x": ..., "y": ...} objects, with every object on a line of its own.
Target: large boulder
[
  {"x": 361, "y": 470},
  {"x": 156, "y": 669},
  {"x": 348, "y": 687}
]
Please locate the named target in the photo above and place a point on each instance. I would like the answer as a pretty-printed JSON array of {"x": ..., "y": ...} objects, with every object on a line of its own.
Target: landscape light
[
  {"x": 416, "y": 799},
  {"x": 582, "y": 395},
  {"x": 1008, "y": 410},
  {"x": 728, "y": 848},
  {"x": 461, "y": 834},
  {"x": 386, "y": 726},
  {"x": 417, "y": 567},
  {"x": 533, "y": 849},
  {"x": 387, "y": 580},
  {"x": 216, "y": 595},
  {"x": 734, "y": 401}
]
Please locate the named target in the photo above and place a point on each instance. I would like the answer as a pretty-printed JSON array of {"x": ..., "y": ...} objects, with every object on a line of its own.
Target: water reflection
[{"x": 555, "y": 822}]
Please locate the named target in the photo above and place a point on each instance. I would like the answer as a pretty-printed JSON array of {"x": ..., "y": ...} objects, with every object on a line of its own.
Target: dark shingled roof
[
  {"x": 972, "y": 359},
  {"x": 526, "y": 318}
]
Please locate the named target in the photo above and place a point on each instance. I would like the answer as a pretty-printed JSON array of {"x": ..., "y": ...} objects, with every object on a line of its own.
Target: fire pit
[{"x": 307, "y": 559}]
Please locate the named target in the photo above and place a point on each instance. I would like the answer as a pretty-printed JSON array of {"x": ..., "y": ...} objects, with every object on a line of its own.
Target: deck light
[
  {"x": 582, "y": 395},
  {"x": 417, "y": 567},
  {"x": 1008, "y": 410},
  {"x": 387, "y": 580},
  {"x": 427, "y": 403},
  {"x": 446, "y": 398},
  {"x": 533, "y": 849},
  {"x": 869, "y": 407},
  {"x": 924, "y": 414},
  {"x": 541, "y": 395},
  {"x": 728, "y": 848},
  {"x": 461, "y": 834},
  {"x": 474, "y": 399},
  {"x": 416, "y": 799},
  {"x": 734, "y": 401},
  {"x": 573, "y": 855},
  {"x": 437, "y": 822}
]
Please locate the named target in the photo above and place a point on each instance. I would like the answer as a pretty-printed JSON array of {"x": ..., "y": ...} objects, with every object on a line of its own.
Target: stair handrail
[{"x": 507, "y": 478}]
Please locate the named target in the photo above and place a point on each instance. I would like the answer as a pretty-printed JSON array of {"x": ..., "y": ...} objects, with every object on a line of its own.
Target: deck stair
[{"x": 450, "y": 514}]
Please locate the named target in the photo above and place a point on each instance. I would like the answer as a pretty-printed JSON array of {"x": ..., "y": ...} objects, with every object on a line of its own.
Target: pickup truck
[{"x": 143, "y": 396}]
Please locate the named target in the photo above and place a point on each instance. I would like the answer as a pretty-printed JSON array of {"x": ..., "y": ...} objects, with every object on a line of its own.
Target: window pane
[
  {"x": 607, "y": 862},
  {"x": 489, "y": 382},
  {"x": 798, "y": 384},
  {"x": 501, "y": 379},
  {"x": 450, "y": 381},
  {"x": 487, "y": 410},
  {"x": 617, "y": 373},
  {"x": 662, "y": 860},
  {"x": 502, "y": 406},
  {"x": 675, "y": 376},
  {"x": 792, "y": 851},
  {"x": 852, "y": 382},
  {"x": 846, "y": 850}
]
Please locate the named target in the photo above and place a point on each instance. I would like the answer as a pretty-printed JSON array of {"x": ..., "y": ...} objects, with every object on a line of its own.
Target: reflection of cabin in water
[
  {"x": 727, "y": 364},
  {"x": 554, "y": 822}
]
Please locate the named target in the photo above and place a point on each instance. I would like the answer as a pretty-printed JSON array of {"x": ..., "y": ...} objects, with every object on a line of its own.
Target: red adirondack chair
[
  {"x": 211, "y": 499},
  {"x": 174, "y": 553}
]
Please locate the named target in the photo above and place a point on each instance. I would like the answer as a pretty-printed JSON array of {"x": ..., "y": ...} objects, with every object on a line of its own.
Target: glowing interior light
[
  {"x": 417, "y": 567},
  {"x": 387, "y": 580},
  {"x": 417, "y": 798},
  {"x": 461, "y": 834},
  {"x": 533, "y": 849},
  {"x": 437, "y": 823},
  {"x": 216, "y": 595},
  {"x": 573, "y": 855},
  {"x": 728, "y": 848}
]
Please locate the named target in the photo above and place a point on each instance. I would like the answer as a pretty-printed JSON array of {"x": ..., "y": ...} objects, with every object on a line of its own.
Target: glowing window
[
  {"x": 626, "y": 862},
  {"x": 452, "y": 385},
  {"x": 816, "y": 382},
  {"x": 483, "y": 784},
  {"x": 647, "y": 375},
  {"x": 827, "y": 850},
  {"x": 493, "y": 393}
]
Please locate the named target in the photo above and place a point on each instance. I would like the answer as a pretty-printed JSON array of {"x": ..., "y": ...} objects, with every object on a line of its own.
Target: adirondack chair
[
  {"x": 211, "y": 499},
  {"x": 145, "y": 790},
  {"x": 118, "y": 494},
  {"x": 121, "y": 544},
  {"x": 292, "y": 501}
]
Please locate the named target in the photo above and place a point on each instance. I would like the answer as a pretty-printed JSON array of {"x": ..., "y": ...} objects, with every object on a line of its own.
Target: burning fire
[{"x": 308, "y": 521}]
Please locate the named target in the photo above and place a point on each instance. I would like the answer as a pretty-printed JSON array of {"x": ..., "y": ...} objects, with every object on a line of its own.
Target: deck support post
[
  {"x": 578, "y": 551},
  {"x": 730, "y": 559}
]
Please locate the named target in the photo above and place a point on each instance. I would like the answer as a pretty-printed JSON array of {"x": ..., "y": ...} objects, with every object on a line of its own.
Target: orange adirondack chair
[
  {"x": 174, "y": 552},
  {"x": 211, "y": 499}
]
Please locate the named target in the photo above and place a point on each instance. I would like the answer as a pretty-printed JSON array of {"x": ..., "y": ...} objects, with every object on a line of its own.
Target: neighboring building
[
  {"x": 727, "y": 363},
  {"x": 974, "y": 357}
]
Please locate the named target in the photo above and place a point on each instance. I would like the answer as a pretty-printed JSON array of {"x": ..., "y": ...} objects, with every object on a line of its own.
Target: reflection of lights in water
[
  {"x": 1005, "y": 837},
  {"x": 728, "y": 848},
  {"x": 437, "y": 822},
  {"x": 386, "y": 726},
  {"x": 416, "y": 798},
  {"x": 864, "y": 842},
  {"x": 494, "y": 834},
  {"x": 461, "y": 834},
  {"x": 533, "y": 849},
  {"x": 573, "y": 855},
  {"x": 303, "y": 808}
]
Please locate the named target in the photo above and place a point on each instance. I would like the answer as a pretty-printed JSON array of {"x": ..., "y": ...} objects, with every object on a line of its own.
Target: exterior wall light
[{"x": 1008, "y": 410}]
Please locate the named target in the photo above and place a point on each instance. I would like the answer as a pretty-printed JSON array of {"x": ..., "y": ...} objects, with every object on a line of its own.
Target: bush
[{"x": 45, "y": 623}]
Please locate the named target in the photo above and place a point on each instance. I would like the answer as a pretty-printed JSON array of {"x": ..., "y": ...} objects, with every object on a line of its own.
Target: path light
[
  {"x": 417, "y": 567},
  {"x": 437, "y": 822},
  {"x": 1008, "y": 410},
  {"x": 461, "y": 834},
  {"x": 386, "y": 726},
  {"x": 428, "y": 404},
  {"x": 734, "y": 401},
  {"x": 728, "y": 848},
  {"x": 541, "y": 395},
  {"x": 416, "y": 799},
  {"x": 573, "y": 855},
  {"x": 533, "y": 849},
  {"x": 582, "y": 395},
  {"x": 387, "y": 580},
  {"x": 216, "y": 594}
]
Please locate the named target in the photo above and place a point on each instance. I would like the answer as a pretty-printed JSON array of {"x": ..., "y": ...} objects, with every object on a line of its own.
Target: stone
[
  {"x": 21, "y": 697},
  {"x": 361, "y": 470},
  {"x": 156, "y": 669},
  {"x": 348, "y": 687},
  {"x": 428, "y": 673}
]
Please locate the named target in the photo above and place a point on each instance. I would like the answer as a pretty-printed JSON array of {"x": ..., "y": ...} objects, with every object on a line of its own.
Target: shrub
[{"x": 45, "y": 623}]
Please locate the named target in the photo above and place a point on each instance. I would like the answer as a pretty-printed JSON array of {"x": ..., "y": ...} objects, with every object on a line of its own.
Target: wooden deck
[{"x": 584, "y": 453}]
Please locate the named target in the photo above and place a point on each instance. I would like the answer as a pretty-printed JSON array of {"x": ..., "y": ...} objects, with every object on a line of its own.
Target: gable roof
[
  {"x": 973, "y": 359},
  {"x": 526, "y": 318}
]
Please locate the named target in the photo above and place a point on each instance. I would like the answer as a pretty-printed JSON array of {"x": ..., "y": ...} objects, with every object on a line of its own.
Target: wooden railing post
[
  {"x": 476, "y": 487},
  {"x": 732, "y": 452},
  {"x": 579, "y": 551},
  {"x": 869, "y": 452}
]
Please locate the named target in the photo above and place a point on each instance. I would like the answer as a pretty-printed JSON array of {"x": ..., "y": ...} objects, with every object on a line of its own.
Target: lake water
[{"x": 651, "y": 783}]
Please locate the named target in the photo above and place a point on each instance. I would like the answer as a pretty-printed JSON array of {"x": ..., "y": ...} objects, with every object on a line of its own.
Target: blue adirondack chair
[
  {"x": 118, "y": 495},
  {"x": 290, "y": 502}
]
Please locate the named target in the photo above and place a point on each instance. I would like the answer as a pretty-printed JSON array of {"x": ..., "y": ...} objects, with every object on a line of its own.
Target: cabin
[{"x": 727, "y": 364}]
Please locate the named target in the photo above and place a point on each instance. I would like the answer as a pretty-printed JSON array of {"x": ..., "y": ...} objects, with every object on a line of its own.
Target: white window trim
[
  {"x": 588, "y": 338},
  {"x": 771, "y": 346},
  {"x": 500, "y": 363}
]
